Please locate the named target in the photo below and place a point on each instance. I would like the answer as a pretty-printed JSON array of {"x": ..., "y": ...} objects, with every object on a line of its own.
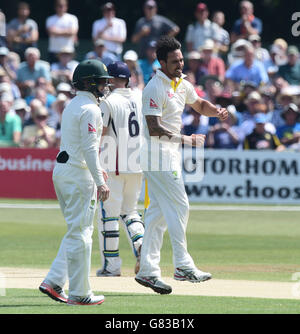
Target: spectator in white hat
[
  {"x": 192, "y": 64},
  {"x": 62, "y": 70},
  {"x": 66, "y": 89},
  {"x": 22, "y": 109},
  {"x": 210, "y": 63},
  {"x": 5, "y": 88},
  {"x": 237, "y": 50},
  {"x": 130, "y": 57},
  {"x": 261, "y": 53}
]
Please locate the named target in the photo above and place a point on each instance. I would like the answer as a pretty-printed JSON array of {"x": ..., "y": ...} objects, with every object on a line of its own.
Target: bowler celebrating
[{"x": 164, "y": 99}]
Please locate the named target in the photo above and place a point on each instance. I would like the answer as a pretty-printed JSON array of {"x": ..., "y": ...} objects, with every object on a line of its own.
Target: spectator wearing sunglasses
[{"x": 39, "y": 134}]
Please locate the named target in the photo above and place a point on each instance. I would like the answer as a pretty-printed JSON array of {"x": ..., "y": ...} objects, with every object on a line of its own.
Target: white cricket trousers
[
  {"x": 169, "y": 208},
  {"x": 77, "y": 196},
  {"x": 125, "y": 190}
]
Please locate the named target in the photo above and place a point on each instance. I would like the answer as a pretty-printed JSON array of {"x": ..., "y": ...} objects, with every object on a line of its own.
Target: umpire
[{"x": 77, "y": 176}]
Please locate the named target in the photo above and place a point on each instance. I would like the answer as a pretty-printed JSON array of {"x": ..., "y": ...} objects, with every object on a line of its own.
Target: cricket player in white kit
[
  {"x": 122, "y": 121},
  {"x": 164, "y": 99},
  {"x": 77, "y": 177}
]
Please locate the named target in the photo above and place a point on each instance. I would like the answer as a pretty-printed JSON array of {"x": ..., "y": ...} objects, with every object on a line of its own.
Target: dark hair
[
  {"x": 165, "y": 45},
  {"x": 23, "y": 4},
  {"x": 57, "y": 2}
]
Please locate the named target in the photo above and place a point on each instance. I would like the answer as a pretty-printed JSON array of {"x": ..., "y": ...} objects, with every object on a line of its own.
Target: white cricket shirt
[
  {"x": 122, "y": 116},
  {"x": 81, "y": 130},
  {"x": 165, "y": 98}
]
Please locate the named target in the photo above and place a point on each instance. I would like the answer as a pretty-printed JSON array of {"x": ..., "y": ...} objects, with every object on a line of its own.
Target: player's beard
[
  {"x": 176, "y": 73},
  {"x": 172, "y": 73}
]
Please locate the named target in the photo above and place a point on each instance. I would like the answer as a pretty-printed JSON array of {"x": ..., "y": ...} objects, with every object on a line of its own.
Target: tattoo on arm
[{"x": 157, "y": 129}]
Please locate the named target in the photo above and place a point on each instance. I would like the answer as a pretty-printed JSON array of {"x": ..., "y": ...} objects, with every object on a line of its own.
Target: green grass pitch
[{"x": 230, "y": 244}]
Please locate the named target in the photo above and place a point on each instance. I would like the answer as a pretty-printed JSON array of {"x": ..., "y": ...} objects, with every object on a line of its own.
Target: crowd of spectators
[{"x": 259, "y": 85}]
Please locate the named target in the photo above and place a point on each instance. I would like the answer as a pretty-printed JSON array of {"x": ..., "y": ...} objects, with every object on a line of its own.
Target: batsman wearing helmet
[
  {"x": 77, "y": 177},
  {"x": 121, "y": 144}
]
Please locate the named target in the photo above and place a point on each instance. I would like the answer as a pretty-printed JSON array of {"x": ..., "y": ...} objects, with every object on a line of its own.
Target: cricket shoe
[
  {"x": 106, "y": 273},
  {"x": 155, "y": 283},
  {"x": 53, "y": 291},
  {"x": 191, "y": 275},
  {"x": 86, "y": 301}
]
